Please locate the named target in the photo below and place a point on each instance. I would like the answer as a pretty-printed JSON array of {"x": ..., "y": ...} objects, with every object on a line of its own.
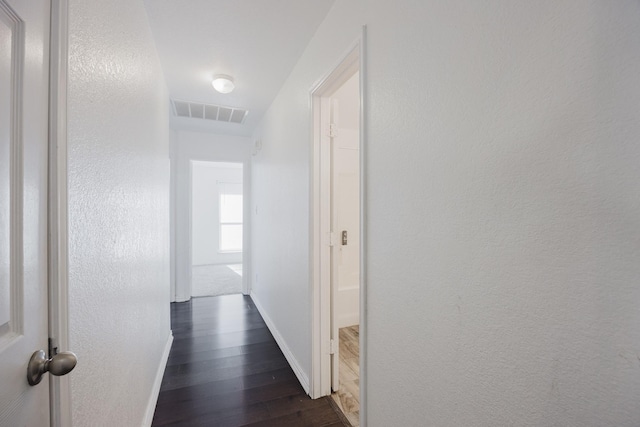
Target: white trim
[
  {"x": 348, "y": 319},
  {"x": 295, "y": 365},
  {"x": 339, "y": 73},
  {"x": 363, "y": 377},
  {"x": 320, "y": 378},
  {"x": 320, "y": 219},
  {"x": 182, "y": 264},
  {"x": 324, "y": 248},
  {"x": 188, "y": 286},
  {"x": 173, "y": 162},
  {"x": 314, "y": 258},
  {"x": 155, "y": 390},
  {"x": 59, "y": 388},
  {"x": 15, "y": 328}
]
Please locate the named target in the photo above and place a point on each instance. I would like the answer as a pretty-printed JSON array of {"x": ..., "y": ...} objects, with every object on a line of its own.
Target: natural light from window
[{"x": 230, "y": 222}]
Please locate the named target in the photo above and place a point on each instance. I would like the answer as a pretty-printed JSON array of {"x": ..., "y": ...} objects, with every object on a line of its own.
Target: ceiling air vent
[{"x": 217, "y": 113}]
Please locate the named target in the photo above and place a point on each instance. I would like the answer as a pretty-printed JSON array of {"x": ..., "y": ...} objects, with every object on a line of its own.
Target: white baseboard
[
  {"x": 348, "y": 319},
  {"x": 348, "y": 303},
  {"x": 179, "y": 297},
  {"x": 302, "y": 377},
  {"x": 155, "y": 391}
]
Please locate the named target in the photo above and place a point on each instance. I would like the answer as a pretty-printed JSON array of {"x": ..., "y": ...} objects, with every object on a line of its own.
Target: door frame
[
  {"x": 320, "y": 381},
  {"x": 58, "y": 216},
  {"x": 183, "y": 227},
  {"x": 246, "y": 238}
]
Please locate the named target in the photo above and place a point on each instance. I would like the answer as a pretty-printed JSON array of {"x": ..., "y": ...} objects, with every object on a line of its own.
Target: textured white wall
[
  {"x": 118, "y": 211},
  {"x": 205, "y": 147},
  {"x": 504, "y": 213},
  {"x": 281, "y": 180},
  {"x": 206, "y": 178},
  {"x": 503, "y": 210}
]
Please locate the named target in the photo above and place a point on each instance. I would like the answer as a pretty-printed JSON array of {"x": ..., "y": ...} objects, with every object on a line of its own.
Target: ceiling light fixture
[{"x": 223, "y": 83}]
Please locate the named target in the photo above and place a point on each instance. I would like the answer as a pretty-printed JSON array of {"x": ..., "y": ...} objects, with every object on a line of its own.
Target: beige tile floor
[{"x": 348, "y": 396}]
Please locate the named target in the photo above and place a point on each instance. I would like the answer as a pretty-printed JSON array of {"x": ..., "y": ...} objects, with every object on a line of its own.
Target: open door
[
  {"x": 336, "y": 253},
  {"x": 24, "y": 128},
  {"x": 345, "y": 223}
]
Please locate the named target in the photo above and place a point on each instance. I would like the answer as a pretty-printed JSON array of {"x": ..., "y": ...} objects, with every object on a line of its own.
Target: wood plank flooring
[
  {"x": 226, "y": 370},
  {"x": 347, "y": 398}
]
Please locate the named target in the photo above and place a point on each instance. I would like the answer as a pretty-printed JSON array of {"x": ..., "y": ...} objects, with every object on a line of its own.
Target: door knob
[{"x": 60, "y": 364}]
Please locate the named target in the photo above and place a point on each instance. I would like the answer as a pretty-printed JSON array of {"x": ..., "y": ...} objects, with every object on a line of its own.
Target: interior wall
[
  {"x": 207, "y": 178},
  {"x": 346, "y": 196},
  {"x": 118, "y": 160},
  {"x": 281, "y": 188},
  {"x": 173, "y": 141},
  {"x": 503, "y": 197},
  {"x": 206, "y": 147}
]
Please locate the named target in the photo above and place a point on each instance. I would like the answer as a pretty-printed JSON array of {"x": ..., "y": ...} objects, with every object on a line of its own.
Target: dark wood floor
[{"x": 225, "y": 369}]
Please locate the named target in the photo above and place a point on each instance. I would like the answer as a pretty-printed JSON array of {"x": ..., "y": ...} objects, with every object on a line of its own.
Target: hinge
[
  {"x": 333, "y": 130},
  {"x": 332, "y": 347},
  {"x": 332, "y": 239}
]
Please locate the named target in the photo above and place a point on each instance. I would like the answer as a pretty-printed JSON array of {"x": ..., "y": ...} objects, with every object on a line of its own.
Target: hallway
[{"x": 225, "y": 369}]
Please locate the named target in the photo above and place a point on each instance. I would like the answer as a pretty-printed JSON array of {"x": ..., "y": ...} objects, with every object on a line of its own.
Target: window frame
[{"x": 221, "y": 223}]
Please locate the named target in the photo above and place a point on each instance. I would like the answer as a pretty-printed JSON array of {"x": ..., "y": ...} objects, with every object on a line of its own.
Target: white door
[
  {"x": 345, "y": 224},
  {"x": 24, "y": 78},
  {"x": 327, "y": 234}
]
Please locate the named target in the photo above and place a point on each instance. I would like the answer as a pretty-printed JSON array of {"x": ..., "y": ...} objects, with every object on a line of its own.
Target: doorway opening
[
  {"x": 216, "y": 228},
  {"x": 337, "y": 255},
  {"x": 343, "y": 111}
]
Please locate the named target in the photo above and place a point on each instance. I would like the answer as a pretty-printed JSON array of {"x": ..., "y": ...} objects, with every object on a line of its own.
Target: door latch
[{"x": 344, "y": 237}]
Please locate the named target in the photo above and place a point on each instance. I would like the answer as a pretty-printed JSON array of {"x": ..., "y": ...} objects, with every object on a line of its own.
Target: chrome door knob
[{"x": 60, "y": 364}]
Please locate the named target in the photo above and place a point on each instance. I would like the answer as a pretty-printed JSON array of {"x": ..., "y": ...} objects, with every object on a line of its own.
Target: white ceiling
[{"x": 258, "y": 42}]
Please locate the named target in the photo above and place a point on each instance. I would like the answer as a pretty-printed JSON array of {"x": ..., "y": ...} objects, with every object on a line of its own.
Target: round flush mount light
[{"x": 223, "y": 83}]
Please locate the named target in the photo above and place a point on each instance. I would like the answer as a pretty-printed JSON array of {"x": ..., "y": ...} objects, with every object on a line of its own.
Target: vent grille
[{"x": 217, "y": 113}]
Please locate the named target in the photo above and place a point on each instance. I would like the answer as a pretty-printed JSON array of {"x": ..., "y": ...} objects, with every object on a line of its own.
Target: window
[{"x": 230, "y": 217}]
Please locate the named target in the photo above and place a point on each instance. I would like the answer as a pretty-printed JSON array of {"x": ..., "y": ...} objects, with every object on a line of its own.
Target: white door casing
[
  {"x": 24, "y": 79},
  {"x": 324, "y": 326},
  {"x": 336, "y": 246}
]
